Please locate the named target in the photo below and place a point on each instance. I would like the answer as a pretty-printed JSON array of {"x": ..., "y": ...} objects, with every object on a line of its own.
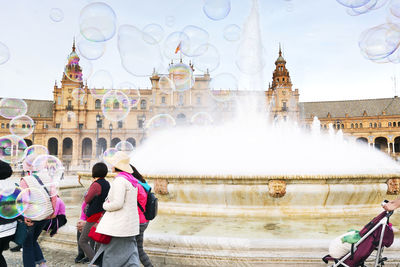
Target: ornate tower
[{"x": 283, "y": 101}]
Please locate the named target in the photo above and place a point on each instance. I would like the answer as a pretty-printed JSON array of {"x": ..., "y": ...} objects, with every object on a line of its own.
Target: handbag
[
  {"x": 98, "y": 237},
  {"x": 21, "y": 233}
]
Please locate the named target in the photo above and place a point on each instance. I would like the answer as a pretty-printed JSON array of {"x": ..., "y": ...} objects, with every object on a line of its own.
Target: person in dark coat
[{"x": 7, "y": 226}]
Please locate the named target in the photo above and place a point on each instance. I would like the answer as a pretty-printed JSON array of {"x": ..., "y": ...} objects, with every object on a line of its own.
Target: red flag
[{"x": 178, "y": 48}]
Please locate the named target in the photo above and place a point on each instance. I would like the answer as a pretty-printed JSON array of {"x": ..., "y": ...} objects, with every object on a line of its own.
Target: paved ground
[{"x": 53, "y": 258}]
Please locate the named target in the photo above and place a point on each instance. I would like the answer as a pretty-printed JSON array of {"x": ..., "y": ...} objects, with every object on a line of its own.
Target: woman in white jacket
[{"x": 121, "y": 218}]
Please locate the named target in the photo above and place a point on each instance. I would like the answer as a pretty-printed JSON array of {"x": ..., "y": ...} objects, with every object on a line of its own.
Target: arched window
[
  {"x": 52, "y": 146},
  {"x": 86, "y": 148},
  {"x": 389, "y": 124},
  {"x": 361, "y": 125},
  {"x": 180, "y": 101},
  {"x": 143, "y": 104},
  {"x": 398, "y": 124},
  {"x": 394, "y": 124},
  {"x": 370, "y": 125},
  {"x": 342, "y": 126},
  {"x": 352, "y": 125},
  {"x": 375, "y": 125},
  {"x": 356, "y": 125},
  {"x": 379, "y": 125},
  {"x": 163, "y": 100},
  {"x": 97, "y": 104}
]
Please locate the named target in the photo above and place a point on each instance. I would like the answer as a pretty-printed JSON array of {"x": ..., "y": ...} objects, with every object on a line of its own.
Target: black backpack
[{"x": 151, "y": 206}]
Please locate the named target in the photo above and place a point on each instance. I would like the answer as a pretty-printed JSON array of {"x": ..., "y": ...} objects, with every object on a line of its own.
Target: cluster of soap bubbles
[
  {"x": 123, "y": 146},
  {"x": 380, "y": 43},
  {"x": 14, "y": 200}
]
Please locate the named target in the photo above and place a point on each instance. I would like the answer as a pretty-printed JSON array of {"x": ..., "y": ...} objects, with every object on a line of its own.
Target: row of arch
[
  {"x": 383, "y": 144},
  {"x": 87, "y": 146}
]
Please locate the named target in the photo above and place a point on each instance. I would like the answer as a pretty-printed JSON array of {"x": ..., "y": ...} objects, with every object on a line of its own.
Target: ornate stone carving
[
  {"x": 276, "y": 188},
  {"x": 161, "y": 186},
  {"x": 393, "y": 186}
]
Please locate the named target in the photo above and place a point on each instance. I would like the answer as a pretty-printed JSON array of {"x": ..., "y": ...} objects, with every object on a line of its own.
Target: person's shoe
[
  {"x": 85, "y": 260},
  {"x": 79, "y": 258},
  {"x": 16, "y": 249}
]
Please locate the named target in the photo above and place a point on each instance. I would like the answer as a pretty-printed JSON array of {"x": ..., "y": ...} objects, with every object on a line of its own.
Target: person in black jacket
[{"x": 7, "y": 226}]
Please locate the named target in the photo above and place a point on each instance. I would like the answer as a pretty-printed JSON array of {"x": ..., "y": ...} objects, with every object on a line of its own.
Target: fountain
[{"x": 255, "y": 191}]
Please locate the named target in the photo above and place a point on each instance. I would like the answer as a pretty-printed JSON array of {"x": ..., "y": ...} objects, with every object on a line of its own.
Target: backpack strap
[
  {"x": 41, "y": 183},
  {"x": 140, "y": 207}
]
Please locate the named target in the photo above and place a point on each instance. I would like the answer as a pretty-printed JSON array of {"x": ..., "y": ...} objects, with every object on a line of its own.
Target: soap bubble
[
  {"x": 379, "y": 42},
  {"x": 362, "y": 9},
  {"x": 78, "y": 94},
  {"x": 131, "y": 91},
  {"x": 202, "y": 119},
  {"x": 198, "y": 37},
  {"x": 223, "y": 87},
  {"x": 72, "y": 70},
  {"x": 49, "y": 167},
  {"x": 125, "y": 146},
  {"x": 100, "y": 83},
  {"x": 182, "y": 76},
  {"x": 160, "y": 121},
  {"x": 71, "y": 115},
  {"x": 232, "y": 33},
  {"x": 169, "y": 21},
  {"x": 4, "y": 53},
  {"x": 109, "y": 153},
  {"x": 166, "y": 85},
  {"x": 90, "y": 50},
  {"x": 31, "y": 202},
  {"x": 115, "y": 105},
  {"x": 173, "y": 41},
  {"x": 12, "y": 148},
  {"x": 22, "y": 126},
  {"x": 32, "y": 152},
  {"x": 138, "y": 57},
  {"x": 155, "y": 31},
  {"x": 8, "y": 204},
  {"x": 217, "y": 9},
  {"x": 97, "y": 22},
  {"x": 12, "y": 107},
  {"x": 87, "y": 68},
  {"x": 380, "y": 3},
  {"x": 56, "y": 14},
  {"x": 209, "y": 60},
  {"x": 353, "y": 3}
]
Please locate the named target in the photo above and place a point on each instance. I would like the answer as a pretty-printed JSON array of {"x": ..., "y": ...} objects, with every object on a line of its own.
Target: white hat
[{"x": 120, "y": 160}]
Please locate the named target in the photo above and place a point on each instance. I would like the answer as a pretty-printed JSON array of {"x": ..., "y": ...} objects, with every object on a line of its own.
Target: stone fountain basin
[{"x": 260, "y": 221}]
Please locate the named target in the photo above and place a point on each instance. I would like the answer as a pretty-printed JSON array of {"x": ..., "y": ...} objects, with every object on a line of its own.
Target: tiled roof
[
  {"x": 42, "y": 107},
  {"x": 354, "y": 108}
]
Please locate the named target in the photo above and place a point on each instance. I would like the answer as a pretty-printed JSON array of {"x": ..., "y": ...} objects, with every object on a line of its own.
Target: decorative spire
[
  {"x": 73, "y": 45},
  {"x": 280, "y": 50}
]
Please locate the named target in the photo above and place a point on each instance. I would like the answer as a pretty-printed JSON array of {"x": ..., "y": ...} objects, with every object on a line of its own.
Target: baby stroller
[{"x": 376, "y": 235}]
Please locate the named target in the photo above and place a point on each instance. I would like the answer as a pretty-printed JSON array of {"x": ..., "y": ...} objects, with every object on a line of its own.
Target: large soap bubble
[
  {"x": 217, "y": 9},
  {"x": 175, "y": 44},
  {"x": 202, "y": 119},
  {"x": 31, "y": 202},
  {"x": 8, "y": 203},
  {"x": 182, "y": 76},
  {"x": 115, "y": 105},
  {"x": 166, "y": 85},
  {"x": 362, "y": 9},
  {"x": 22, "y": 126},
  {"x": 353, "y": 3},
  {"x": 198, "y": 37},
  {"x": 160, "y": 121},
  {"x": 56, "y": 14},
  {"x": 4, "y": 53},
  {"x": 32, "y": 152},
  {"x": 131, "y": 91},
  {"x": 138, "y": 57},
  {"x": 379, "y": 42},
  {"x": 232, "y": 33},
  {"x": 49, "y": 167},
  {"x": 12, "y": 107},
  {"x": 209, "y": 60},
  {"x": 125, "y": 146},
  {"x": 223, "y": 87},
  {"x": 12, "y": 148},
  {"x": 100, "y": 83},
  {"x": 90, "y": 50},
  {"x": 108, "y": 154},
  {"x": 154, "y": 31},
  {"x": 97, "y": 22}
]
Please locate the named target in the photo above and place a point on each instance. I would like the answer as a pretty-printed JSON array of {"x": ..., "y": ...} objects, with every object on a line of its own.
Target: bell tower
[{"x": 283, "y": 101}]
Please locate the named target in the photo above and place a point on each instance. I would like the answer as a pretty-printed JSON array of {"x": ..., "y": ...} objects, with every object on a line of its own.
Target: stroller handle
[{"x": 388, "y": 213}]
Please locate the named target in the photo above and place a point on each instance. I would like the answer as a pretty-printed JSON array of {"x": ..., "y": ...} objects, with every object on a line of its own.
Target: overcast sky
[{"x": 319, "y": 39}]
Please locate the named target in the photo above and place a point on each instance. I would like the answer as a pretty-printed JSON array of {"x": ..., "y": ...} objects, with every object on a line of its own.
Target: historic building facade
[{"x": 77, "y": 132}]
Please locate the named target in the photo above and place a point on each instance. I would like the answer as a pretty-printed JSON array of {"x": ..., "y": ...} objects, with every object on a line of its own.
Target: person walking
[
  {"x": 7, "y": 226},
  {"x": 94, "y": 200},
  {"x": 121, "y": 219},
  {"x": 143, "y": 190}
]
